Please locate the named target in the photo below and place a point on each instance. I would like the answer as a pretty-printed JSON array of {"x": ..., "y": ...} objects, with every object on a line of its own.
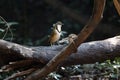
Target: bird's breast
[{"x": 55, "y": 37}]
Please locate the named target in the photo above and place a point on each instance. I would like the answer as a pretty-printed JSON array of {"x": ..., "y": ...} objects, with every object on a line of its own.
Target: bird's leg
[
  {"x": 58, "y": 43},
  {"x": 51, "y": 44}
]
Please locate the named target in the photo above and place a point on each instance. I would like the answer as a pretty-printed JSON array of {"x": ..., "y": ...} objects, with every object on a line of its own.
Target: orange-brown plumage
[{"x": 56, "y": 32}]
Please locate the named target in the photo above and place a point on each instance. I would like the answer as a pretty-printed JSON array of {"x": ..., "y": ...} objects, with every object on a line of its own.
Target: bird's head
[{"x": 58, "y": 26}]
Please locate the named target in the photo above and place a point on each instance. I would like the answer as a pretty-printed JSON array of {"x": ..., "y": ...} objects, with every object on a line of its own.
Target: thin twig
[
  {"x": 7, "y": 29},
  {"x": 16, "y": 65},
  {"x": 19, "y": 74}
]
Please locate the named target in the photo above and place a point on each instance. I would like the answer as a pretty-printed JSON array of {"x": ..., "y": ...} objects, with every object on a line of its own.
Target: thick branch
[{"x": 90, "y": 52}]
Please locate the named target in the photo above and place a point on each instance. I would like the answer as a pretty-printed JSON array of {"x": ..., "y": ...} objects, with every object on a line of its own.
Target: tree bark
[{"x": 89, "y": 52}]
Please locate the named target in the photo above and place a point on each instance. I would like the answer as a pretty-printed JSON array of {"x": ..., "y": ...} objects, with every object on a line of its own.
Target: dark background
[{"x": 35, "y": 18}]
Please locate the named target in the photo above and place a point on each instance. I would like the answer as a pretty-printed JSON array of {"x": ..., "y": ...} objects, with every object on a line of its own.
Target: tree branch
[
  {"x": 102, "y": 50},
  {"x": 16, "y": 65},
  {"x": 23, "y": 73},
  {"x": 117, "y": 5}
]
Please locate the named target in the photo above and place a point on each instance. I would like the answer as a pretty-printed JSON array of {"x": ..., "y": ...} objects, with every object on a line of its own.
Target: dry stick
[
  {"x": 19, "y": 74},
  {"x": 8, "y": 28},
  {"x": 16, "y": 65},
  {"x": 117, "y": 5},
  {"x": 88, "y": 29}
]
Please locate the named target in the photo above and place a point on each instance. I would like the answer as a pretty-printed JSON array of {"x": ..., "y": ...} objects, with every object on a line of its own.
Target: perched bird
[{"x": 56, "y": 32}]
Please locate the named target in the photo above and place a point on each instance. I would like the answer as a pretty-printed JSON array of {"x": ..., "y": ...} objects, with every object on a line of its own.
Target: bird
[{"x": 56, "y": 33}]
